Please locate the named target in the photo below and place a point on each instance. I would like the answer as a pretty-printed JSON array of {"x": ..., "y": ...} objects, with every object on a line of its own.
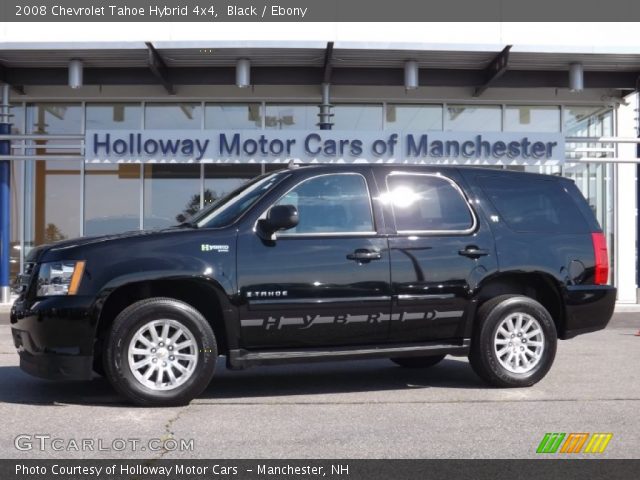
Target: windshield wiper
[{"x": 188, "y": 224}]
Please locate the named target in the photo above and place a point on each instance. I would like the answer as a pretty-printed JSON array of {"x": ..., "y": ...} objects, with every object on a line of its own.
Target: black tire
[
  {"x": 125, "y": 326},
  {"x": 418, "y": 362},
  {"x": 483, "y": 357}
]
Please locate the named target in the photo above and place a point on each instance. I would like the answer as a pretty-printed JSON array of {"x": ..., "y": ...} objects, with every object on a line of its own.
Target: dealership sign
[{"x": 321, "y": 146}]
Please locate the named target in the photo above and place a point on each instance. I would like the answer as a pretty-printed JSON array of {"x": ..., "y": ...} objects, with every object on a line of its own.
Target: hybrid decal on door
[
  {"x": 306, "y": 321},
  {"x": 214, "y": 248}
]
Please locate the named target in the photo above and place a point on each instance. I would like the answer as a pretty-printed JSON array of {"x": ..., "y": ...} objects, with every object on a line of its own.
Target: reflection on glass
[
  {"x": 331, "y": 203},
  {"x": 477, "y": 118},
  {"x": 171, "y": 193},
  {"x": 414, "y": 117},
  {"x": 582, "y": 121},
  {"x": 426, "y": 203},
  {"x": 54, "y": 118},
  {"x": 114, "y": 116},
  {"x": 104, "y": 211},
  {"x": 357, "y": 117},
  {"x": 291, "y": 116},
  {"x": 233, "y": 117},
  {"x": 54, "y": 208},
  {"x": 173, "y": 116},
  {"x": 219, "y": 180},
  {"x": 15, "y": 190},
  {"x": 532, "y": 119}
]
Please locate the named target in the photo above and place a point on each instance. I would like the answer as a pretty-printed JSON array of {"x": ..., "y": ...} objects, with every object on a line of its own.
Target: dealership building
[{"x": 104, "y": 137}]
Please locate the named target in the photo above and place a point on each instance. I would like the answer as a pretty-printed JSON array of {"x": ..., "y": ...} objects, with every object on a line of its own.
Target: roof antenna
[{"x": 292, "y": 164}]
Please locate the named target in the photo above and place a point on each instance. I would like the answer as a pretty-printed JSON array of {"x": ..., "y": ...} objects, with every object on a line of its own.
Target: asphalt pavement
[{"x": 351, "y": 409}]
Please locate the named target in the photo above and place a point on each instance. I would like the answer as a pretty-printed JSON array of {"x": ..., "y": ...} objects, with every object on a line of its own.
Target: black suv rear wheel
[
  {"x": 160, "y": 352},
  {"x": 514, "y": 341}
]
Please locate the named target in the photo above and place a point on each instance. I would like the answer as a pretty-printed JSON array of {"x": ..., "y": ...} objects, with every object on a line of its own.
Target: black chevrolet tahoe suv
[{"x": 410, "y": 263}]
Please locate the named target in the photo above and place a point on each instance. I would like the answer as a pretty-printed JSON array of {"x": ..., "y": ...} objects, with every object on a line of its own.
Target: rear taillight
[{"x": 601, "y": 276}]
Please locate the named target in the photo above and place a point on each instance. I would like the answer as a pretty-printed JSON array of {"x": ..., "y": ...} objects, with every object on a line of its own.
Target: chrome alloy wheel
[
  {"x": 519, "y": 342},
  {"x": 163, "y": 354}
]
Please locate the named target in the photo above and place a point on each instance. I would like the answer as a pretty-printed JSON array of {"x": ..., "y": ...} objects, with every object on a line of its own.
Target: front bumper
[
  {"x": 54, "y": 337},
  {"x": 588, "y": 309}
]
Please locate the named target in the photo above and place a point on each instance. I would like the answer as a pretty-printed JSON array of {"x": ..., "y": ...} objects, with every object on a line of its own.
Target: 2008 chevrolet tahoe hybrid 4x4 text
[{"x": 324, "y": 263}]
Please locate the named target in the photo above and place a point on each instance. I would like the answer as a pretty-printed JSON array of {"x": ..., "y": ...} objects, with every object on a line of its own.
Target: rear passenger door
[{"x": 440, "y": 251}]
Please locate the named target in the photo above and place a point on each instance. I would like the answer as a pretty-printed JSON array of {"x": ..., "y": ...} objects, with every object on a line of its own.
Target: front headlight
[{"x": 60, "y": 278}]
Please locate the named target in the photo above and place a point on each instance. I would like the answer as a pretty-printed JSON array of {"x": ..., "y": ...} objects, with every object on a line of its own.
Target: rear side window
[
  {"x": 427, "y": 203},
  {"x": 533, "y": 204}
]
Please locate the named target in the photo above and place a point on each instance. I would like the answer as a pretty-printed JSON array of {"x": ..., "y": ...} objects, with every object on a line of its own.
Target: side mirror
[{"x": 280, "y": 217}]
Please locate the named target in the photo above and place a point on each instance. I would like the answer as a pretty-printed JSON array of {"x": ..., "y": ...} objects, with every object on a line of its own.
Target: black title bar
[{"x": 319, "y": 11}]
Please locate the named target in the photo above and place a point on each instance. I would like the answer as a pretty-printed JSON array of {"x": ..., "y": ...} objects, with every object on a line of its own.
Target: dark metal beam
[
  {"x": 159, "y": 69},
  {"x": 19, "y": 89},
  {"x": 494, "y": 70},
  {"x": 311, "y": 75},
  {"x": 328, "y": 63}
]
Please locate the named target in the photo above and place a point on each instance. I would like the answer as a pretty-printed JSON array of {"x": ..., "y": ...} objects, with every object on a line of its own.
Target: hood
[{"x": 36, "y": 253}]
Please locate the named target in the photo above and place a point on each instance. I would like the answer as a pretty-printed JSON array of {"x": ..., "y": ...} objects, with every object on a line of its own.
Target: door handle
[
  {"x": 472, "y": 251},
  {"x": 364, "y": 255}
]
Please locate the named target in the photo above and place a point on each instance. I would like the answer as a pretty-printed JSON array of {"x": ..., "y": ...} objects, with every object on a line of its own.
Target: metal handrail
[{"x": 40, "y": 136}]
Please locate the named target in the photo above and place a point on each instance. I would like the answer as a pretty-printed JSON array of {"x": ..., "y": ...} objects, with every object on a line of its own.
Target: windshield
[{"x": 227, "y": 210}]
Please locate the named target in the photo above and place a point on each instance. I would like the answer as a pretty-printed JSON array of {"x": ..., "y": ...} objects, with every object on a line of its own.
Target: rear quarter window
[{"x": 532, "y": 204}]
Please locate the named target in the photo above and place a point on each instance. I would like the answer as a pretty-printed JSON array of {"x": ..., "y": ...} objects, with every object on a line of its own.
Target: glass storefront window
[
  {"x": 113, "y": 116},
  {"x": 52, "y": 201},
  {"x": 414, "y": 117},
  {"x": 54, "y": 118},
  {"x": 583, "y": 121},
  {"x": 357, "y": 117},
  {"x": 233, "y": 117},
  {"x": 220, "y": 180},
  {"x": 473, "y": 118},
  {"x": 15, "y": 190},
  {"x": 524, "y": 118},
  {"x": 173, "y": 116},
  {"x": 595, "y": 180},
  {"x": 105, "y": 212},
  {"x": 60, "y": 118},
  {"x": 171, "y": 193},
  {"x": 291, "y": 116}
]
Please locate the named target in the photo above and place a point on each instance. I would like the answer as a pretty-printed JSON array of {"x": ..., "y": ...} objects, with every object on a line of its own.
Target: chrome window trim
[
  {"x": 467, "y": 202},
  {"x": 323, "y": 234},
  {"x": 316, "y": 300}
]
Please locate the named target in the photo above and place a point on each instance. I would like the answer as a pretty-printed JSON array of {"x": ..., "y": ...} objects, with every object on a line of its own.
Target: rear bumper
[
  {"x": 588, "y": 309},
  {"x": 54, "y": 337}
]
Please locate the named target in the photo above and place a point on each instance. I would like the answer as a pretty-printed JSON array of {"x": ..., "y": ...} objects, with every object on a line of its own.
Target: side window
[
  {"x": 427, "y": 203},
  {"x": 331, "y": 204},
  {"x": 533, "y": 204}
]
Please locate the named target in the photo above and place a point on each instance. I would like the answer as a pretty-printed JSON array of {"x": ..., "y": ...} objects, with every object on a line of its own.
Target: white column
[{"x": 626, "y": 205}]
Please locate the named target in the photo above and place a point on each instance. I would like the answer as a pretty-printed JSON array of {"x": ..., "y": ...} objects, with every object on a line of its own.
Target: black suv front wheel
[
  {"x": 514, "y": 342},
  {"x": 160, "y": 352}
]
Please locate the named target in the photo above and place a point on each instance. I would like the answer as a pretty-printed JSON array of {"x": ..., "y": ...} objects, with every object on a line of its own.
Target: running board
[{"x": 238, "y": 359}]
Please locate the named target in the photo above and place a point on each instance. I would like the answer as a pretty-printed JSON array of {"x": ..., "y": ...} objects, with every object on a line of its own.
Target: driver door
[{"x": 325, "y": 282}]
